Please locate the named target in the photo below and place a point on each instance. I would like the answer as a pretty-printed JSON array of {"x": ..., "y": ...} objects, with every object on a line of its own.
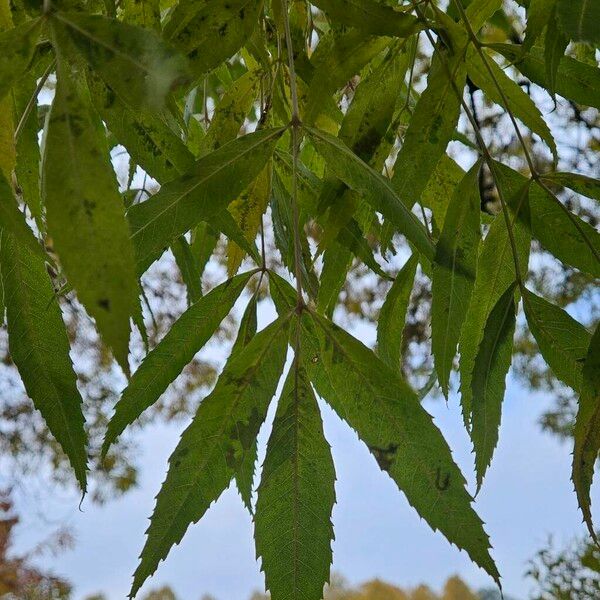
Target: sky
[{"x": 526, "y": 497}]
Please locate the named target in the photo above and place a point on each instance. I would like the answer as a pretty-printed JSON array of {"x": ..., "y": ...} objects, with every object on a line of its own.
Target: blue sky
[{"x": 526, "y": 497}]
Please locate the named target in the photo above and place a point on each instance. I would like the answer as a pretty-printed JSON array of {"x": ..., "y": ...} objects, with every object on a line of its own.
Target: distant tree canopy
[{"x": 440, "y": 155}]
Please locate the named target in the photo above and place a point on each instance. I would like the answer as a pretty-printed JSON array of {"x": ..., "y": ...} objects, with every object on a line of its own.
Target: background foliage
[{"x": 440, "y": 155}]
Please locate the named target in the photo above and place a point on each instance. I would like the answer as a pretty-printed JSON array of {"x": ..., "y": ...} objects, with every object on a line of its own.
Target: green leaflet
[
  {"x": 211, "y": 31},
  {"x": 385, "y": 412},
  {"x": 488, "y": 382},
  {"x": 244, "y": 477},
  {"x": 165, "y": 362},
  {"x": 555, "y": 45},
  {"x": 562, "y": 340},
  {"x": 440, "y": 188},
  {"x": 495, "y": 274},
  {"x": 586, "y": 186},
  {"x": 203, "y": 192},
  {"x": 579, "y": 19},
  {"x": 431, "y": 127},
  {"x": 479, "y": 11},
  {"x": 190, "y": 272},
  {"x": 377, "y": 190},
  {"x": 337, "y": 260},
  {"x": 587, "y": 430},
  {"x": 392, "y": 317},
  {"x": 17, "y": 46},
  {"x": 578, "y": 244},
  {"x": 454, "y": 272},
  {"x": 370, "y": 16},
  {"x": 336, "y": 62},
  {"x": 521, "y": 105},
  {"x": 575, "y": 80},
  {"x": 134, "y": 62},
  {"x": 231, "y": 111},
  {"x": 150, "y": 141},
  {"x": 39, "y": 347},
  {"x": 212, "y": 448},
  {"x": 247, "y": 210},
  {"x": 293, "y": 528},
  {"x": 13, "y": 221},
  {"x": 538, "y": 15},
  {"x": 85, "y": 214}
]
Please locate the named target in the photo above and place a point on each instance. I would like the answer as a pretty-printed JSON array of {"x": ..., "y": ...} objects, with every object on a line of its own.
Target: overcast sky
[{"x": 526, "y": 497}]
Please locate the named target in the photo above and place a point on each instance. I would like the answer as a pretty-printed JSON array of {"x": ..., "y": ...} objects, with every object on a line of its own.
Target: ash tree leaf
[
  {"x": 392, "y": 317},
  {"x": 84, "y": 210},
  {"x": 247, "y": 210},
  {"x": 454, "y": 272},
  {"x": 200, "y": 194},
  {"x": 164, "y": 363},
  {"x": 39, "y": 347},
  {"x": 370, "y": 16},
  {"x": 135, "y": 62},
  {"x": 586, "y": 186},
  {"x": 13, "y": 221},
  {"x": 578, "y": 244},
  {"x": 555, "y": 45},
  {"x": 575, "y": 80},
  {"x": 293, "y": 528},
  {"x": 519, "y": 102},
  {"x": 579, "y": 19},
  {"x": 17, "y": 46},
  {"x": 430, "y": 129},
  {"x": 213, "y": 447},
  {"x": 495, "y": 274},
  {"x": 377, "y": 190},
  {"x": 538, "y": 15},
  {"x": 563, "y": 341},
  {"x": 488, "y": 382},
  {"x": 337, "y": 260},
  {"x": 212, "y": 31},
  {"x": 587, "y": 431},
  {"x": 388, "y": 417},
  {"x": 190, "y": 272},
  {"x": 244, "y": 477}
]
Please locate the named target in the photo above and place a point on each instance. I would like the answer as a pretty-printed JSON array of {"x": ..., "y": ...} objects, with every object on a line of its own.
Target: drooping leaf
[
  {"x": 495, "y": 274},
  {"x": 387, "y": 415},
  {"x": 488, "y": 382},
  {"x": 17, "y": 46},
  {"x": 377, "y": 190},
  {"x": 337, "y": 260},
  {"x": 210, "y": 32},
  {"x": 538, "y": 15},
  {"x": 575, "y": 80},
  {"x": 165, "y": 362},
  {"x": 190, "y": 272},
  {"x": 12, "y": 220},
  {"x": 555, "y": 44},
  {"x": 203, "y": 192},
  {"x": 430, "y": 128},
  {"x": 247, "y": 210},
  {"x": 134, "y": 62},
  {"x": 244, "y": 477},
  {"x": 579, "y": 19},
  {"x": 454, "y": 272},
  {"x": 521, "y": 105},
  {"x": 39, "y": 347},
  {"x": 84, "y": 211},
  {"x": 562, "y": 340},
  {"x": 587, "y": 431},
  {"x": 371, "y": 17},
  {"x": 335, "y": 64},
  {"x": 293, "y": 528},
  {"x": 392, "y": 317},
  {"x": 586, "y": 186},
  {"x": 212, "y": 448}
]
